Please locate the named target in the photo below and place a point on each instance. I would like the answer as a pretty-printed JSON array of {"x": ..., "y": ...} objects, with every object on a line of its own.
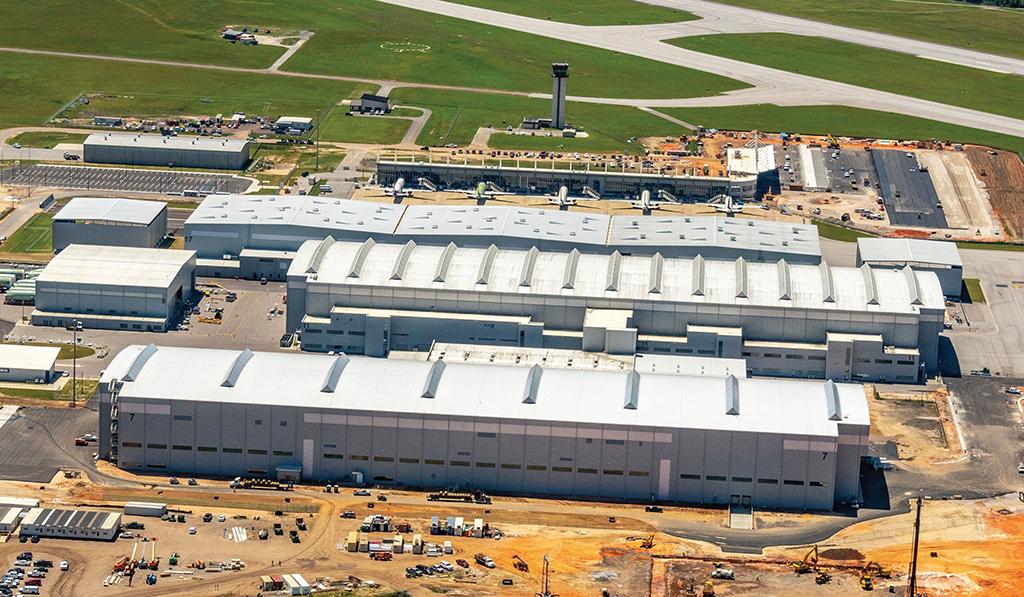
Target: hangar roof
[
  {"x": 32, "y": 358},
  {"x": 909, "y": 250},
  {"x": 161, "y": 142},
  {"x": 298, "y": 210},
  {"x": 715, "y": 231},
  {"x": 120, "y": 266},
  {"x": 113, "y": 209},
  {"x": 634, "y": 277},
  {"x": 381, "y": 387},
  {"x": 506, "y": 221}
]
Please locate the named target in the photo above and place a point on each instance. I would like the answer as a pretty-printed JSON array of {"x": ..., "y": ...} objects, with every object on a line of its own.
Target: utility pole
[
  {"x": 318, "y": 139},
  {"x": 912, "y": 588},
  {"x": 76, "y": 325}
]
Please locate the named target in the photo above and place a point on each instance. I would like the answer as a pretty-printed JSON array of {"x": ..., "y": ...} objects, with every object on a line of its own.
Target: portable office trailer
[
  {"x": 145, "y": 509},
  {"x": 10, "y": 518}
]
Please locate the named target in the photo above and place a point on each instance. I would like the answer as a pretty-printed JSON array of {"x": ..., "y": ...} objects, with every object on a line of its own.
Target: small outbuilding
[
  {"x": 145, "y": 509},
  {"x": 32, "y": 364},
  {"x": 286, "y": 124},
  {"x": 71, "y": 524},
  {"x": 941, "y": 257},
  {"x": 10, "y": 518},
  {"x": 370, "y": 103}
]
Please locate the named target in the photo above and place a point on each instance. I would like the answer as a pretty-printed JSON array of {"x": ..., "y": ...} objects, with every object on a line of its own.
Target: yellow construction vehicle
[
  {"x": 868, "y": 574},
  {"x": 519, "y": 564},
  {"x": 709, "y": 589},
  {"x": 808, "y": 563},
  {"x": 832, "y": 142},
  {"x": 822, "y": 577},
  {"x": 648, "y": 542}
]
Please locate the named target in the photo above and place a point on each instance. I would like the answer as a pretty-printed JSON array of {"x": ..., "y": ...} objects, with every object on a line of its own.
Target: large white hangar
[
  {"x": 784, "y": 319},
  {"x": 217, "y": 153},
  {"x": 120, "y": 288},
  {"x": 500, "y": 428},
  {"x": 250, "y": 236},
  {"x": 110, "y": 221}
]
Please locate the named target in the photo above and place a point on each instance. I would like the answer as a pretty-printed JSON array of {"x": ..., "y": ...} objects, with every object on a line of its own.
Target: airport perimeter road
[
  {"x": 723, "y": 18},
  {"x": 768, "y": 85}
]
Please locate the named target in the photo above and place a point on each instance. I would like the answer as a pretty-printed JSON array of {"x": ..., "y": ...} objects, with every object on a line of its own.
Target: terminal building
[
  {"x": 256, "y": 236},
  {"x": 517, "y": 177},
  {"x": 500, "y": 428},
  {"x": 28, "y": 364},
  {"x": 215, "y": 153},
  {"x": 110, "y": 221},
  {"x": 940, "y": 257},
  {"x": 785, "y": 319},
  {"x": 118, "y": 288}
]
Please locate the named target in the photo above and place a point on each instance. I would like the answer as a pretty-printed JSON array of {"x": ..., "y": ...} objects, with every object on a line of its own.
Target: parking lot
[
  {"x": 124, "y": 179},
  {"x": 851, "y": 171},
  {"x": 38, "y": 442},
  {"x": 909, "y": 194}
]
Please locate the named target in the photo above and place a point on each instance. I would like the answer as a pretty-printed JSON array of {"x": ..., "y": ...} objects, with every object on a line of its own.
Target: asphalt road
[{"x": 39, "y": 441}]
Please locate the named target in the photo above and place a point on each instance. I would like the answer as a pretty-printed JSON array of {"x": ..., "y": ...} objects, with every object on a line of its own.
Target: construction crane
[
  {"x": 808, "y": 563},
  {"x": 912, "y": 585},
  {"x": 546, "y": 586}
]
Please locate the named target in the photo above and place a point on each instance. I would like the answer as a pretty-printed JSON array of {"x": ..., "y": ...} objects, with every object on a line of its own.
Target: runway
[{"x": 768, "y": 85}]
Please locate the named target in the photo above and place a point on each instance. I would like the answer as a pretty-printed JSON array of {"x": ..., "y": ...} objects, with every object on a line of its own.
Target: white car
[
  {"x": 221, "y": 518},
  {"x": 191, "y": 530},
  {"x": 63, "y": 565},
  {"x": 16, "y": 146}
]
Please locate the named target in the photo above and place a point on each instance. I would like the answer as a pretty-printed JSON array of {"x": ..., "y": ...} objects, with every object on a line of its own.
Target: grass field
[
  {"x": 35, "y": 236},
  {"x": 988, "y": 246},
  {"x": 32, "y": 88},
  {"x": 839, "y": 120},
  {"x": 358, "y": 38},
  {"x": 457, "y": 116},
  {"x": 46, "y": 140},
  {"x": 86, "y": 388},
  {"x": 591, "y": 12},
  {"x": 973, "y": 290},
  {"x": 840, "y": 233},
  {"x": 871, "y": 67},
  {"x": 977, "y": 28},
  {"x": 339, "y": 126}
]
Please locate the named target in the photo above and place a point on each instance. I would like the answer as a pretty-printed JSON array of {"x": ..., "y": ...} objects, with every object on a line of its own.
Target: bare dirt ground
[
  {"x": 1002, "y": 173},
  {"x": 918, "y": 424},
  {"x": 964, "y": 202}
]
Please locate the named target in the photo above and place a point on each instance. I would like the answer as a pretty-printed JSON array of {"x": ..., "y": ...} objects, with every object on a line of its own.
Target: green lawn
[
  {"x": 457, "y": 115},
  {"x": 981, "y": 29},
  {"x": 359, "y": 38},
  {"x": 973, "y": 290},
  {"x": 871, "y": 67},
  {"x": 591, "y": 12},
  {"x": 35, "y": 236},
  {"x": 962, "y": 244},
  {"x": 47, "y": 139},
  {"x": 840, "y": 233},
  {"x": 339, "y": 126},
  {"x": 86, "y": 388},
  {"x": 32, "y": 88},
  {"x": 839, "y": 120}
]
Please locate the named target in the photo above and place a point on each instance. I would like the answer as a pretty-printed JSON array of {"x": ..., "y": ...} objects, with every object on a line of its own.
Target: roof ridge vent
[
  {"x": 334, "y": 373},
  {"x": 483, "y": 274},
  {"x": 571, "y": 266},
  {"x": 529, "y": 263},
  {"x": 611, "y": 279},
  {"x": 870, "y": 287},
  {"x": 398, "y": 270},
  {"x": 785, "y": 281},
  {"x": 441, "y": 271},
  {"x": 237, "y": 366},
  {"x": 632, "y": 399},
  {"x": 832, "y": 402},
  {"x": 532, "y": 385},
  {"x": 657, "y": 268},
  {"x": 433, "y": 380},
  {"x": 697, "y": 287},
  {"x": 742, "y": 282},
  {"x": 360, "y": 258},
  {"x": 828, "y": 290},
  {"x": 913, "y": 288},
  {"x": 135, "y": 368},
  {"x": 319, "y": 254},
  {"x": 732, "y": 395}
]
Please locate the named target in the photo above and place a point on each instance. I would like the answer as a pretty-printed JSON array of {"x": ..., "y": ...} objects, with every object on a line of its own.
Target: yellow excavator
[
  {"x": 868, "y": 574},
  {"x": 808, "y": 563}
]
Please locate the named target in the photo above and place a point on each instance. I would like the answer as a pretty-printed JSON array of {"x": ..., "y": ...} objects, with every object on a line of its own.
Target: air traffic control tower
[{"x": 559, "y": 72}]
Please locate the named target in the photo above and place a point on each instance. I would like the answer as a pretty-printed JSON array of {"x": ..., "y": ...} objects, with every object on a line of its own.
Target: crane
[
  {"x": 806, "y": 565},
  {"x": 546, "y": 587}
]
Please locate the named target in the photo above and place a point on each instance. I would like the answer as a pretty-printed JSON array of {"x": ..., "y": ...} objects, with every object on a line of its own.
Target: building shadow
[{"x": 949, "y": 363}]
